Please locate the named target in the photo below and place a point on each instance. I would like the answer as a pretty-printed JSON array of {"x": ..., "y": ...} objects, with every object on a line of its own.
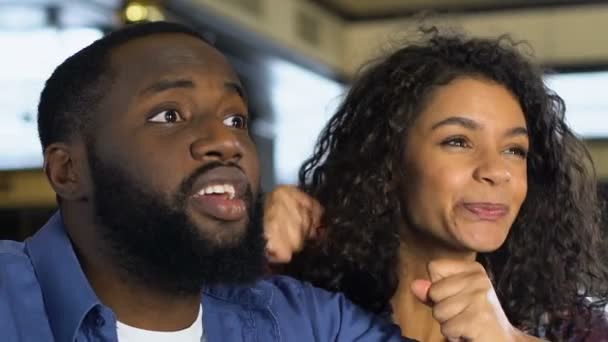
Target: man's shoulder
[
  {"x": 284, "y": 287},
  {"x": 284, "y": 295},
  {"x": 330, "y": 314},
  {"x": 261, "y": 291},
  {"x": 294, "y": 304},
  {"x": 292, "y": 294},
  {"x": 276, "y": 292},
  {"x": 283, "y": 284}
]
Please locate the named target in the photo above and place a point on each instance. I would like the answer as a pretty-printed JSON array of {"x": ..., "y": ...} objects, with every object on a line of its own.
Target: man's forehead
[
  {"x": 162, "y": 56},
  {"x": 167, "y": 50}
]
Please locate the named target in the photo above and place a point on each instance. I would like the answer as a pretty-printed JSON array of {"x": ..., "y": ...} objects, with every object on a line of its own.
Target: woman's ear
[{"x": 61, "y": 166}]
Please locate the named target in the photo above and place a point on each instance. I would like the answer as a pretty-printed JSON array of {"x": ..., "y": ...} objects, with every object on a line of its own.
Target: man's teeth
[{"x": 219, "y": 190}]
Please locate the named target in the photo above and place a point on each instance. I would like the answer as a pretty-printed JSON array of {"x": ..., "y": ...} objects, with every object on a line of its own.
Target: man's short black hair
[{"x": 75, "y": 88}]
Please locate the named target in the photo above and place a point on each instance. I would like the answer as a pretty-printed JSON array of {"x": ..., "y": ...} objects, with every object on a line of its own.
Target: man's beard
[{"x": 157, "y": 245}]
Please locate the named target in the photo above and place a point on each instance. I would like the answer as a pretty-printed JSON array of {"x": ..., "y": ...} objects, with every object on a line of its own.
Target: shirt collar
[{"x": 67, "y": 294}]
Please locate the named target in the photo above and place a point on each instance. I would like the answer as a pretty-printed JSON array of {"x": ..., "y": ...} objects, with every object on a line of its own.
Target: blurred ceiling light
[{"x": 137, "y": 11}]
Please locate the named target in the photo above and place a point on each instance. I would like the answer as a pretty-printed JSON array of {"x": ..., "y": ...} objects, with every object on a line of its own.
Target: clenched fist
[
  {"x": 290, "y": 218},
  {"x": 465, "y": 304}
]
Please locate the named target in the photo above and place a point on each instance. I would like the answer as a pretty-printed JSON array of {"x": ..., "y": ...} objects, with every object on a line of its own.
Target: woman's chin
[
  {"x": 483, "y": 245},
  {"x": 480, "y": 238}
]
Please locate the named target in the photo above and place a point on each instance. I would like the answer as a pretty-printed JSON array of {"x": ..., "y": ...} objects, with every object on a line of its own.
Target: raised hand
[
  {"x": 290, "y": 218},
  {"x": 465, "y": 304}
]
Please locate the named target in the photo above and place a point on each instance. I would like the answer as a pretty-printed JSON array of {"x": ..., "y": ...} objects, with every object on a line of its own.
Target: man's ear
[{"x": 64, "y": 170}]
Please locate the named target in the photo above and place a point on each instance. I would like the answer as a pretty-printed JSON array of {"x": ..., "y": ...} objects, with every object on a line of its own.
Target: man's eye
[
  {"x": 167, "y": 116},
  {"x": 236, "y": 121}
]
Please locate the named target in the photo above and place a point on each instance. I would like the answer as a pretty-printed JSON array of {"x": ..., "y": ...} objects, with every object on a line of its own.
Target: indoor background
[{"x": 295, "y": 57}]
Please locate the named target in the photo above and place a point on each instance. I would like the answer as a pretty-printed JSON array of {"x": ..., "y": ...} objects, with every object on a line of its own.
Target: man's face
[{"x": 175, "y": 171}]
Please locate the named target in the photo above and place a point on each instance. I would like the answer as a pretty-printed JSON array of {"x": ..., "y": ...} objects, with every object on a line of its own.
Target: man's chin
[{"x": 220, "y": 233}]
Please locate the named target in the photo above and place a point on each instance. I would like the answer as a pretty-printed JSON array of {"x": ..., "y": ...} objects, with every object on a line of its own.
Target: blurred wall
[
  {"x": 560, "y": 36},
  {"x": 297, "y": 27},
  {"x": 571, "y": 35}
]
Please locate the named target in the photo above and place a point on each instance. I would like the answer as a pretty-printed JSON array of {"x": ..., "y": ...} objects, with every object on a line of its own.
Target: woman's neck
[{"x": 417, "y": 250}]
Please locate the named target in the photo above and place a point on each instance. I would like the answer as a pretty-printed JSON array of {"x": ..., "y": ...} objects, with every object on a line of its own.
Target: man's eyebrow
[
  {"x": 457, "y": 121},
  {"x": 167, "y": 84},
  {"x": 237, "y": 88}
]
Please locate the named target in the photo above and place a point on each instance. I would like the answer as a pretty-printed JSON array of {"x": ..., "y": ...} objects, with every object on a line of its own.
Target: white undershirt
[{"x": 193, "y": 333}]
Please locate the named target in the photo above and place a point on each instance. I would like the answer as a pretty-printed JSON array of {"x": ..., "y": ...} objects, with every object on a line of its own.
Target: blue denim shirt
[{"x": 45, "y": 296}]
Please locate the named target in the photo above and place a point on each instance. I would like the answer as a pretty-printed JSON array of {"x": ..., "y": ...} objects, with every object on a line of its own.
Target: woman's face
[{"x": 465, "y": 165}]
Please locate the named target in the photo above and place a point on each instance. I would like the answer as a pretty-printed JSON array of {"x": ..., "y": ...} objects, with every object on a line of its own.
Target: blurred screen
[
  {"x": 303, "y": 102},
  {"x": 586, "y": 98},
  {"x": 27, "y": 60}
]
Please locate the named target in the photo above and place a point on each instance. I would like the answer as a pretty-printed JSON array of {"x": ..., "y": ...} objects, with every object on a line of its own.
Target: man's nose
[{"x": 216, "y": 142}]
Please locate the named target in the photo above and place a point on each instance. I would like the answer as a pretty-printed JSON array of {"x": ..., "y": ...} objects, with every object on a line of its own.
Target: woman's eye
[
  {"x": 236, "y": 121},
  {"x": 518, "y": 151},
  {"x": 167, "y": 116},
  {"x": 456, "y": 142}
]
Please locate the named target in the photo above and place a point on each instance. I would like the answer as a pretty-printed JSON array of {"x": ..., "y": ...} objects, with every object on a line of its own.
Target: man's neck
[
  {"x": 416, "y": 251},
  {"x": 141, "y": 306},
  {"x": 132, "y": 302}
]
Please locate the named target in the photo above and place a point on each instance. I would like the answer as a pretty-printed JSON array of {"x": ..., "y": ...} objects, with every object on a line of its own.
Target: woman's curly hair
[{"x": 550, "y": 265}]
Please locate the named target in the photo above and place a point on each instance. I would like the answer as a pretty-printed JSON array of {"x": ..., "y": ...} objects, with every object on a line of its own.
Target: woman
[{"x": 456, "y": 199}]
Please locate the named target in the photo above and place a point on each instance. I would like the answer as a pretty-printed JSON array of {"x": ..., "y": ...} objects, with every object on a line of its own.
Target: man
[{"x": 158, "y": 236}]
